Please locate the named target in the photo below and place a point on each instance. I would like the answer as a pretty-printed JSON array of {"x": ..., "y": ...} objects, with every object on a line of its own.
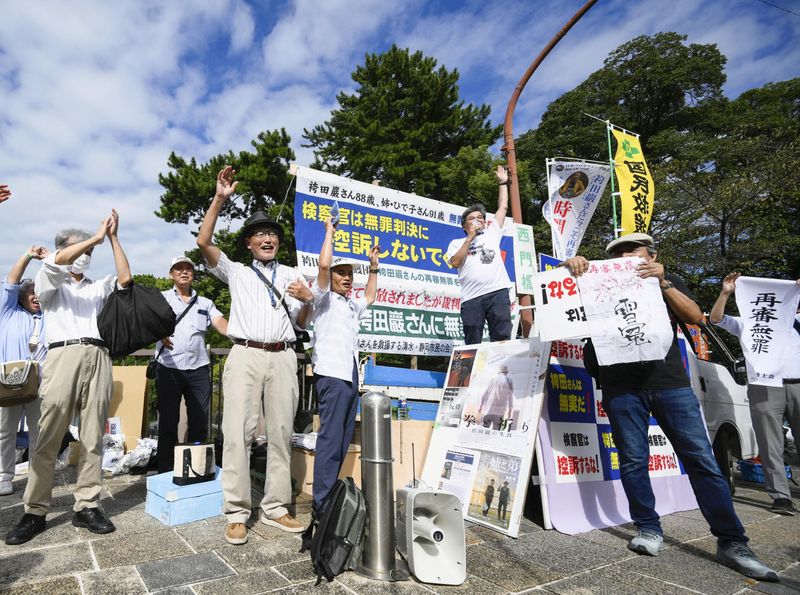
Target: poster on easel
[{"x": 483, "y": 439}]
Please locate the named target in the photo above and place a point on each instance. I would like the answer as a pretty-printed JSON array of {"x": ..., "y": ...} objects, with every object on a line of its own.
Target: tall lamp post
[{"x": 508, "y": 146}]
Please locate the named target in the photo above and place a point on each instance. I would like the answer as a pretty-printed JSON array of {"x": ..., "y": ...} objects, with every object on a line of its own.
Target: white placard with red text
[{"x": 559, "y": 310}]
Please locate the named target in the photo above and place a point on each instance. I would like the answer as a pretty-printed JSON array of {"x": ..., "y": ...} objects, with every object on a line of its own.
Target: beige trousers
[
  {"x": 9, "y": 423},
  {"x": 252, "y": 380},
  {"x": 76, "y": 379}
]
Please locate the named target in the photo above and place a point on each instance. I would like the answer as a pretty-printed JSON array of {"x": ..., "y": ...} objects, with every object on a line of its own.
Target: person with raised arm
[{"x": 268, "y": 302}]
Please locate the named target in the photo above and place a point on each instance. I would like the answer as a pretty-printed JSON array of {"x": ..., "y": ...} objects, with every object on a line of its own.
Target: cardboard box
[
  {"x": 175, "y": 505},
  {"x": 129, "y": 402},
  {"x": 405, "y": 433},
  {"x": 302, "y": 468}
]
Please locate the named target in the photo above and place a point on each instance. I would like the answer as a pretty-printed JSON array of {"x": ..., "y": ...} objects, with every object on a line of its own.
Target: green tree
[
  {"x": 404, "y": 119},
  {"x": 728, "y": 194}
]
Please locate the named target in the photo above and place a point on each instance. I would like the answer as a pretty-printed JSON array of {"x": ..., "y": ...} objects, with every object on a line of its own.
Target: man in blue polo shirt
[
  {"x": 21, "y": 336},
  {"x": 182, "y": 363}
]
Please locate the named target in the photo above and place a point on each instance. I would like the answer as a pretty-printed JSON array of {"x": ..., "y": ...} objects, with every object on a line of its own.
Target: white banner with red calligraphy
[
  {"x": 559, "y": 310},
  {"x": 767, "y": 308},
  {"x": 627, "y": 316},
  {"x": 483, "y": 440},
  {"x": 575, "y": 188}
]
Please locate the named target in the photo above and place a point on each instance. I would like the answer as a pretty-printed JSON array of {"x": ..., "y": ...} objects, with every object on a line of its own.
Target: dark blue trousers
[
  {"x": 338, "y": 403},
  {"x": 171, "y": 386},
  {"x": 493, "y": 308}
]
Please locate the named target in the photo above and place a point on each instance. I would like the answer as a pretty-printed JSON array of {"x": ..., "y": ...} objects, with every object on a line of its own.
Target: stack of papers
[{"x": 305, "y": 441}]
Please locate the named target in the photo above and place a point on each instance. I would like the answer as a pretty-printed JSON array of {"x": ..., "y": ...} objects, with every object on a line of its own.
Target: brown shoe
[
  {"x": 285, "y": 523},
  {"x": 236, "y": 533}
]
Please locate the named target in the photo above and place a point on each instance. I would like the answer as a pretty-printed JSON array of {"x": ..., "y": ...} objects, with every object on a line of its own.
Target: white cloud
[{"x": 96, "y": 95}]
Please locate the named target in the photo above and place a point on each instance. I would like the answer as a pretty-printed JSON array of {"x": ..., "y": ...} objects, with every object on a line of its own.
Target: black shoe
[
  {"x": 94, "y": 520},
  {"x": 783, "y": 506},
  {"x": 29, "y": 525}
]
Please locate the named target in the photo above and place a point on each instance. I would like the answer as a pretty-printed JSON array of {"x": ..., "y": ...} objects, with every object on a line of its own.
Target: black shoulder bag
[
  {"x": 301, "y": 335},
  {"x": 151, "y": 365}
]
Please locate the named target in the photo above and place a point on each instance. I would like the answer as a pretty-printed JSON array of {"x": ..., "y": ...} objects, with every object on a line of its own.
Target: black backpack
[
  {"x": 133, "y": 318},
  {"x": 336, "y": 538}
]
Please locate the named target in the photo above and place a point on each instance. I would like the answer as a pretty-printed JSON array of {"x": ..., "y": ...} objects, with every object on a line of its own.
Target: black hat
[{"x": 260, "y": 219}]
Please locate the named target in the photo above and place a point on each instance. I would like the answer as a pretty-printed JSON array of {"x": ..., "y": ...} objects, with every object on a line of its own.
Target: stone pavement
[{"x": 144, "y": 556}]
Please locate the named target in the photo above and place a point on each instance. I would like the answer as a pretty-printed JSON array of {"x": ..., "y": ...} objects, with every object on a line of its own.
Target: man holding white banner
[
  {"x": 773, "y": 369},
  {"x": 634, "y": 390}
]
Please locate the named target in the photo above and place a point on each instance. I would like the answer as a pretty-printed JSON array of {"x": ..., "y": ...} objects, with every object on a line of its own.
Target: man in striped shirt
[
  {"x": 182, "y": 368},
  {"x": 268, "y": 301}
]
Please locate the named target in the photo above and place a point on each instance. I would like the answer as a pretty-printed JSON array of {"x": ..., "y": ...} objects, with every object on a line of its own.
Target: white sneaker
[
  {"x": 6, "y": 487},
  {"x": 646, "y": 543}
]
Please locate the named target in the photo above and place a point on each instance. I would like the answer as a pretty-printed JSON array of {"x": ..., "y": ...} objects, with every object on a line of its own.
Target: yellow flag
[{"x": 636, "y": 189}]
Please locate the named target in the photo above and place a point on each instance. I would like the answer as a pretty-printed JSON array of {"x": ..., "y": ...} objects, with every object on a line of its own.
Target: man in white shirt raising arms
[
  {"x": 335, "y": 359},
  {"x": 769, "y": 404},
  {"x": 267, "y": 301},
  {"x": 481, "y": 272},
  {"x": 77, "y": 376}
]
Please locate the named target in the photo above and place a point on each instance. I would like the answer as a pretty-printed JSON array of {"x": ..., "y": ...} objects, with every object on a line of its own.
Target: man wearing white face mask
[{"x": 77, "y": 376}]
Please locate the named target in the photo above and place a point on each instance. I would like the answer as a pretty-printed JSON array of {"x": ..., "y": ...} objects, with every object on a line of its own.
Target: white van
[{"x": 719, "y": 380}]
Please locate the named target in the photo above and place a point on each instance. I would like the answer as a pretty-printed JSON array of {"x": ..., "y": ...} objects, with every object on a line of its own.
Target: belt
[
  {"x": 791, "y": 380},
  {"x": 81, "y": 341},
  {"x": 278, "y": 346}
]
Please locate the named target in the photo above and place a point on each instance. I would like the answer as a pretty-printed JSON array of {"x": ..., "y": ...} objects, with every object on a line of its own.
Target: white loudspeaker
[{"x": 430, "y": 535}]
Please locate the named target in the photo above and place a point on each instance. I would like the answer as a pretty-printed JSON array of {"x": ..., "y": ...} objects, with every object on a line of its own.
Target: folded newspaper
[{"x": 305, "y": 441}]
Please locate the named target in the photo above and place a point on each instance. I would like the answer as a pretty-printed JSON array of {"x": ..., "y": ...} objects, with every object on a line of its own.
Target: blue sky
[{"x": 96, "y": 94}]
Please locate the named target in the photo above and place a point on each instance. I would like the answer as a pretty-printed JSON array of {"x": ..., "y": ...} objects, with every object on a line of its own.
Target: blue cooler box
[{"x": 175, "y": 505}]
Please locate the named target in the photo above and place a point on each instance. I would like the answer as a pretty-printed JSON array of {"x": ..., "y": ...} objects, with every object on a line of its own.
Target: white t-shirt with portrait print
[{"x": 483, "y": 270}]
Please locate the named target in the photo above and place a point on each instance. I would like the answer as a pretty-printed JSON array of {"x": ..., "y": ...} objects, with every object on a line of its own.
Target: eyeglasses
[{"x": 261, "y": 234}]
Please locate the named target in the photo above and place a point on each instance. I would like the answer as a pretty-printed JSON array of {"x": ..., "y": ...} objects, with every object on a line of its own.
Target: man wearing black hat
[
  {"x": 268, "y": 301},
  {"x": 632, "y": 391}
]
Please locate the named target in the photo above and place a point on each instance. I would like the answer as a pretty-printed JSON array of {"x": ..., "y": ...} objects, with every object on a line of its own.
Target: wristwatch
[{"x": 667, "y": 285}]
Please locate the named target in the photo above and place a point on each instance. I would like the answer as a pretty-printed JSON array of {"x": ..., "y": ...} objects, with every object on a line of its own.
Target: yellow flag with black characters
[{"x": 636, "y": 189}]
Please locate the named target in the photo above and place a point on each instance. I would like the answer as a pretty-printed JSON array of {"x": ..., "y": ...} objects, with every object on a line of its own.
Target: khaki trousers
[
  {"x": 76, "y": 379},
  {"x": 254, "y": 380},
  {"x": 9, "y": 423}
]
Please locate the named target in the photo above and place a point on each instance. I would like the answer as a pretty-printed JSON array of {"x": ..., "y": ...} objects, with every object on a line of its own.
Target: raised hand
[
  {"x": 38, "y": 252},
  {"x": 226, "y": 185},
  {"x": 729, "y": 283},
  {"x": 113, "y": 224},
  {"x": 5, "y": 193},
  {"x": 374, "y": 256},
  {"x": 502, "y": 174},
  {"x": 100, "y": 234}
]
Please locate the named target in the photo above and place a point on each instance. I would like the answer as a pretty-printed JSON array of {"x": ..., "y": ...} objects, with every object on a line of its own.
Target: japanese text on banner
[{"x": 637, "y": 192}]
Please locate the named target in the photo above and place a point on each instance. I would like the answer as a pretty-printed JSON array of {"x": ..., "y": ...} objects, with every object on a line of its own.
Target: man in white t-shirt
[
  {"x": 481, "y": 272},
  {"x": 768, "y": 404}
]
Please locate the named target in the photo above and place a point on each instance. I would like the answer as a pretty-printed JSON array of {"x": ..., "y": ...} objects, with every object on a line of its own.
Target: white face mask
[{"x": 81, "y": 264}]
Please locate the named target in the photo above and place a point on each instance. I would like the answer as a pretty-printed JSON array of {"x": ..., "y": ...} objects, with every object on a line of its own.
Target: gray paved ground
[{"x": 144, "y": 556}]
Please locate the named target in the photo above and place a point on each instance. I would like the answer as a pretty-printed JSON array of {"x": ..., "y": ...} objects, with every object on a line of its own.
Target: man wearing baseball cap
[
  {"x": 335, "y": 358},
  {"x": 182, "y": 365},
  {"x": 268, "y": 301},
  {"x": 632, "y": 391}
]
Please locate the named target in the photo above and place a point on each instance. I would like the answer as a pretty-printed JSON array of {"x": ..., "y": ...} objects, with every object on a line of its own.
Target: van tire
[{"x": 726, "y": 447}]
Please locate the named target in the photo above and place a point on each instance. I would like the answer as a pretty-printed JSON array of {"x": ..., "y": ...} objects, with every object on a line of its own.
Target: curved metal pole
[{"x": 508, "y": 138}]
